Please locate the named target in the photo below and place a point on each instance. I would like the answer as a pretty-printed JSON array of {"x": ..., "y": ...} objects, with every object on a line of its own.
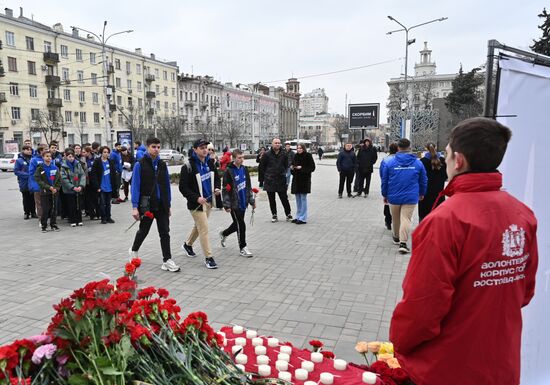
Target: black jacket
[
  {"x": 189, "y": 185},
  {"x": 97, "y": 175},
  {"x": 436, "y": 178},
  {"x": 366, "y": 158},
  {"x": 274, "y": 168},
  {"x": 230, "y": 199},
  {"x": 301, "y": 180}
]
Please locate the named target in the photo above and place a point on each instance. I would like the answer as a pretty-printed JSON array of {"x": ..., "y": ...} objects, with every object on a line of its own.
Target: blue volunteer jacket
[
  {"x": 404, "y": 179},
  {"x": 35, "y": 161},
  {"x": 140, "y": 151},
  {"x": 21, "y": 169},
  {"x": 115, "y": 156}
]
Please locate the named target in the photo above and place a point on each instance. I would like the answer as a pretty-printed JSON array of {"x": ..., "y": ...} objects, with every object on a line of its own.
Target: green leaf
[
  {"x": 102, "y": 362},
  {"x": 77, "y": 379},
  {"x": 126, "y": 346},
  {"x": 110, "y": 371}
]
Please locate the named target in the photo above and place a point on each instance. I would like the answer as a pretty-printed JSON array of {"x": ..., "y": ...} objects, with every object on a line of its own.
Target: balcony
[
  {"x": 151, "y": 111},
  {"x": 54, "y": 102},
  {"x": 110, "y": 69},
  {"x": 189, "y": 103},
  {"x": 204, "y": 105},
  {"x": 112, "y": 107},
  {"x": 150, "y": 94},
  {"x": 50, "y": 57},
  {"x": 53, "y": 81},
  {"x": 150, "y": 78}
]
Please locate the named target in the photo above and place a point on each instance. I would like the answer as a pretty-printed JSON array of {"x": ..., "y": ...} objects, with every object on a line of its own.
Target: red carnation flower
[
  {"x": 149, "y": 215},
  {"x": 327, "y": 354},
  {"x": 130, "y": 268},
  {"x": 255, "y": 190},
  {"x": 162, "y": 293},
  {"x": 52, "y": 177},
  {"x": 136, "y": 262},
  {"x": 228, "y": 187},
  {"x": 316, "y": 343},
  {"x": 75, "y": 178}
]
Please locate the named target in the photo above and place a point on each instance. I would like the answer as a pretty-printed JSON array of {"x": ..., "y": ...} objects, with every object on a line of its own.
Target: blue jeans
[
  {"x": 301, "y": 207},
  {"x": 288, "y": 177}
]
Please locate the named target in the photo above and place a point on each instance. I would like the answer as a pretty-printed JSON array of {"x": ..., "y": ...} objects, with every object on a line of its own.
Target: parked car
[
  {"x": 171, "y": 155},
  {"x": 7, "y": 161}
]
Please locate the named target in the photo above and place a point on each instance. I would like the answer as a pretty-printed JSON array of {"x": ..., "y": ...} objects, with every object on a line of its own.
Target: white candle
[
  {"x": 286, "y": 349},
  {"x": 251, "y": 333},
  {"x": 308, "y": 365},
  {"x": 273, "y": 342},
  {"x": 222, "y": 334},
  {"x": 327, "y": 378},
  {"x": 369, "y": 378},
  {"x": 316, "y": 357},
  {"x": 236, "y": 348},
  {"x": 285, "y": 376},
  {"x": 283, "y": 357},
  {"x": 241, "y": 359},
  {"x": 240, "y": 341},
  {"x": 264, "y": 370},
  {"x": 310, "y": 383},
  {"x": 257, "y": 341},
  {"x": 282, "y": 366},
  {"x": 262, "y": 360},
  {"x": 238, "y": 329},
  {"x": 260, "y": 350},
  {"x": 240, "y": 367},
  {"x": 300, "y": 374},
  {"x": 340, "y": 364}
]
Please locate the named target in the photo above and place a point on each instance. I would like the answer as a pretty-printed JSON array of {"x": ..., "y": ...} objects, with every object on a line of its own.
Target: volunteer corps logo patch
[{"x": 513, "y": 241}]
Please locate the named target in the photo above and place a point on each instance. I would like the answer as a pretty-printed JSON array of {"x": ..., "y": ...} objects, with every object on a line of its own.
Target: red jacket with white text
[{"x": 472, "y": 269}]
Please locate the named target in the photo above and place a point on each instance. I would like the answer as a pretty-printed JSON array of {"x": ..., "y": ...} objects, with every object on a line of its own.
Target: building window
[
  {"x": 140, "y": 103},
  {"x": 165, "y": 75},
  {"x": 120, "y": 119},
  {"x": 118, "y": 83},
  {"x": 51, "y": 93},
  {"x": 95, "y": 98},
  {"x": 47, "y": 46},
  {"x": 174, "y": 106},
  {"x": 119, "y": 100},
  {"x": 64, "y": 74},
  {"x": 173, "y": 76},
  {"x": 14, "y": 89},
  {"x": 130, "y": 102},
  {"x": 157, "y": 89},
  {"x": 33, "y": 91},
  {"x": 16, "y": 113},
  {"x": 81, "y": 96},
  {"x": 78, "y": 54},
  {"x": 68, "y": 116},
  {"x": 158, "y": 105},
  {"x": 165, "y": 105},
  {"x": 97, "y": 138},
  {"x": 82, "y": 117},
  {"x": 94, "y": 78},
  {"x": 92, "y": 58},
  {"x": 10, "y": 39},
  {"x": 80, "y": 76},
  {"x": 84, "y": 138},
  {"x": 139, "y": 86},
  {"x": 12, "y": 64},
  {"x": 67, "y": 95},
  {"x": 30, "y": 43},
  {"x": 117, "y": 64},
  {"x": 173, "y": 92},
  {"x": 138, "y": 69},
  {"x": 32, "y": 67},
  {"x": 165, "y": 91},
  {"x": 129, "y": 84},
  {"x": 70, "y": 138},
  {"x": 128, "y": 67},
  {"x": 96, "y": 117},
  {"x": 157, "y": 73},
  {"x": 64, "y": 51},
  {"x": 35, "y": 113}
]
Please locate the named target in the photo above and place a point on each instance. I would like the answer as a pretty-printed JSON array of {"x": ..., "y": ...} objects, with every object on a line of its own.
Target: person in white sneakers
[
  {"x": 237, "y": 195},
  {"x": 151, "y": 198}
]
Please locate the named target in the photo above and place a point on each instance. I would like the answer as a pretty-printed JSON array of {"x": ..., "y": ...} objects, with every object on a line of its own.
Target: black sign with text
[{"x": 363, "y": 115}]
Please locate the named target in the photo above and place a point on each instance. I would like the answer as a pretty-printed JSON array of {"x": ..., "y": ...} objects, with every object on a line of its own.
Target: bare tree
[
  {"x": 134, "y": 117},
  {"x": 171, "y": 129},
  {"x": 341, "y": 125},
  {"x": 423, "y": 91},
  {"x": 231, "y": 131},
  {"x": 49, "y": 123},
  {"x": 80, "y": 129},
  {"x": 396, "y": 99}
]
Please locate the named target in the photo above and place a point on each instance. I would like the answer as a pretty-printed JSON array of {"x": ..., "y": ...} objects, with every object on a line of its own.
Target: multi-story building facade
[
  {"x": 314, "y": 103},
  {"x": 289, "y": 108},
  {"x": 315, "y": 121},
  {"x": 57, "y": 86}
]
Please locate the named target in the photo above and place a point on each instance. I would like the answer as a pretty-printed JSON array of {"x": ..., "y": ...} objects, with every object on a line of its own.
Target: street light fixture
[
  {"x": 103, "y": 40},
  {"x": 407, "y": 43}
]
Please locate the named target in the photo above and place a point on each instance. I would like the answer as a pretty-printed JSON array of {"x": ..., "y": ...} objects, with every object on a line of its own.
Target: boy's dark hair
[
  {"x": 123, "y": 148},
  {"x": 40, "y": 149},
  {"x": 393, "y": 148},
  {"x": 236, "y": 152},
  {"x": 117, "y": 144},
  {"x": 103, "y": 148},
  {"x": 482, "y": 141},
  {"x": 87, "y": 149},
  {"x": 46, "y": 152},
  {"x": 152, "y": 140},
  {"x": 53, "y": 142},
  {"x": 404, "y": 144},
  {"x": 69, "y": 151},
  {"x": 77, "y": 145},
  {"x": 95, "y": 145},
  {"x": 25, "y": 147},
  {"x": 138, "y": 142}
]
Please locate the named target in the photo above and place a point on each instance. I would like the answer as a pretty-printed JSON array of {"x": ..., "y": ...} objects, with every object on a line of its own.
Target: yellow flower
[
  {"x": 386, "y": 347},
  {"x": 393, "y": 363},
  {"x": 385, "y": 356},
  {"x": 374, "y": 346},
  {"x": 362, "y": 347}
]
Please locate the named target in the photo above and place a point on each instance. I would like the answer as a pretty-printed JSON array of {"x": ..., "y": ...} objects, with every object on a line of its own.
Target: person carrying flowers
[
  {"x": 49, "y": 180},
  {"x": 237, "y": 195}
]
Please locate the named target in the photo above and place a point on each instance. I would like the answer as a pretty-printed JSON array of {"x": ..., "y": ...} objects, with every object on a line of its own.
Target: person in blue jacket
[
  {"x": 34, "y": 188},
  {"x": 21, "y": 169},
  {"x": 404, "y": 183},
  {"x": 345, "y": 163},
  {"x": 116, "y": 157},
  {"x": 140, "y": 150}
]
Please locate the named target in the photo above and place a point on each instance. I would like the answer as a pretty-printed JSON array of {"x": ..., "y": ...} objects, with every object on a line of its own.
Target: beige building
[
  {"x": 56, "y": 86},
  {"x": 289, "y": 108}
]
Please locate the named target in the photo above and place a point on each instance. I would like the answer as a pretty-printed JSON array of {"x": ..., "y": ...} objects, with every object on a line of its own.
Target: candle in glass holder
[
  {"x": 340, "y": 364},
  {"x": 260, "y": 350},
  {"x": 236, "y": 348},
  {"x": 251, "y": 333},
  {"x": 240, "y": 367},
  {"x": 327, "y": 378},
  {"x": 308, "y": 365},
  {"x": 369, "y": 378},
  {"x": 237, "y": 329},
  {"x": 273, "y": 342},
  {"x": 257, "y": 341},
  {"x": 316, "y": 357},
  {"x": 264, "y": 370},
  {"x": 282, "y": 366},
  {"x": 283, "y": 357},
  {"x": 285, "y": 376},
  {"x": 300, "y": 374},
  {"x": 241, "y": 359},
  {"x": 262, "y": 360},
  {"x": 240, "y": 341},
  {"x": 286, "y": 349}
]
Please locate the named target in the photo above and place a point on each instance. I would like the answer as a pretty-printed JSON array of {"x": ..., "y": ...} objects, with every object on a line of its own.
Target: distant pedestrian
[
  {"x": 302, "y": 167},
  {"x": 91, "y": 195},
  {"x": 103, "y": 180},
  {"x": 117, "y": 158},
  {"x": 33, "y": 184},
  {"x": 387, "y": 212},
  {"x": 48, "y": 178},
  {"x": 259, "y": 157},
  {"x": 345, "y": 163},
  {"x": 199, "y": 184},
  {"x": 366, "y": 158},
  {"x": 436, "y": 171},
  {"x": 96, "y": 153},
  {"x": 274, "y": 165},
  {"x": 127, "y": 167},
  {"x": 237, "y": 195},
  {"x": 320, "y": 152},
  {"x": 21, "y": 170},
  {"x": 225, "y": 159},
  {"x": 290, "y": 154},
  {"x": 404, "y": 183},
  {"x": 139, "y": 150}
]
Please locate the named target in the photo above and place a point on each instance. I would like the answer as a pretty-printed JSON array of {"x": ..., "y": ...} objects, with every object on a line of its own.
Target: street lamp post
[
  {"x": 104, "y": 71},
  {"x": 407, "y": 43}
]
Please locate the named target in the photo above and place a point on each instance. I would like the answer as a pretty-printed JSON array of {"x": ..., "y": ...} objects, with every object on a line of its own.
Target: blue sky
[{"x": 250, "y": 41}]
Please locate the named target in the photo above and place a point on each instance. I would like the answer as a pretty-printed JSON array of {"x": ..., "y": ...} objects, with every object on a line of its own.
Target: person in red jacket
[
  {"x": 225, "y": 159},
  {"x": 472, "y": 269}
]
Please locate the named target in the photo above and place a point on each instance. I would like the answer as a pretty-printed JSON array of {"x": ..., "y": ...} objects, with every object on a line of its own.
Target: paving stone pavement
[{"x": 336, "y": 279}]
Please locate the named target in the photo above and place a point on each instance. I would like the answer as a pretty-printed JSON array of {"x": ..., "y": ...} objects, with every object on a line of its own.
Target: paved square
[{"x": 337, "y": 278}]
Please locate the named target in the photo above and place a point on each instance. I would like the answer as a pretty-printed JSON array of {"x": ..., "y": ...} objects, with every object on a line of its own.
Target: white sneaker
[
  {"x": 222, "y": 239},
  {"x": 132, "y": 254},
  {"x": 73, "y": 224},
  {"x": 245, "y": 252},
  {"x": 170, "y": 265}
]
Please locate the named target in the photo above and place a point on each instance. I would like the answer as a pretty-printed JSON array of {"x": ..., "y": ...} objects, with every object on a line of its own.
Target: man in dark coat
[
  {"x": 366, "y": 158},
  {"x": 274, "y": 165}
]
